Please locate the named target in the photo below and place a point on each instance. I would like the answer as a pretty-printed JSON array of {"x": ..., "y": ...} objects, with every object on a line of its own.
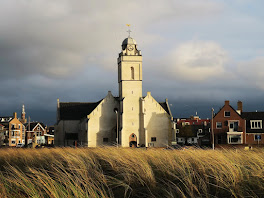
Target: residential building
[
  {"x": 16, "y": 131},
  {"x": 254, "y": 127},
  {"x": 193, "y": 131},
  {"x": 49, "y": 136},
  {"x": 2, "y": 134},
  {"x": 228, "y": 125},
  {"x": 4, "y": 121},
  {"x": 35, "y": 133}
]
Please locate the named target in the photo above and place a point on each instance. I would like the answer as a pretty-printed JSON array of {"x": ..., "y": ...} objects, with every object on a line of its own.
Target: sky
[{"x": 196, "y": 53}]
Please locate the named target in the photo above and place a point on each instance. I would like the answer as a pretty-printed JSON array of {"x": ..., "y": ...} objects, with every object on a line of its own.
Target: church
[{"x": 129, "y": 120}]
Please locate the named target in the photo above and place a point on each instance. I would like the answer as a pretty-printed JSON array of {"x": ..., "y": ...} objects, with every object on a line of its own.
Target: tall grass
[{"x": 112, "y": 172}]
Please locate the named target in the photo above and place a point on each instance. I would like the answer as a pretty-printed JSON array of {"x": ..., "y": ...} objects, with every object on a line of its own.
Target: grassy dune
[{"x": 111, "y": 172}]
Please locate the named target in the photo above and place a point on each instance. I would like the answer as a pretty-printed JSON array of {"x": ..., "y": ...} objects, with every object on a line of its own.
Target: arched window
[{"x": 132, "y": 73}]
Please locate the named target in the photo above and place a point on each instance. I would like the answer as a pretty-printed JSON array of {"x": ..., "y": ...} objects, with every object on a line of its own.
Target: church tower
[
  {"x": 23, "y": 115},
  {"x": 130, "y": 92}
]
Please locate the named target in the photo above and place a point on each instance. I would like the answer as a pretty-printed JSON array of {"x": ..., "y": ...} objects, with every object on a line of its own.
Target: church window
[
  {"x": 132, "y": 108},
  {"x": 153, "y": 139},
  {"x": 132, "y": 73},
  {"x": 132, "y": 92}
]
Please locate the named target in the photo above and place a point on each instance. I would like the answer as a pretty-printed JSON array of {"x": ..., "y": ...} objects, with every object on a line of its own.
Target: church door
[{"x": 133, "y": 140}]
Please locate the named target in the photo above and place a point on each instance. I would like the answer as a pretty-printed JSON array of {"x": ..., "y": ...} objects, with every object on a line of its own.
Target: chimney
[
  {"x": 15, "y": 114},
  {"x": 227, "y": 102},
  {"x": 239, "y": 106}
]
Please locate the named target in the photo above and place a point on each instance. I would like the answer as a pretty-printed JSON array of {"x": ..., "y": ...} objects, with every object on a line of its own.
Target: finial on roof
[{"x": 128, "y": 25}]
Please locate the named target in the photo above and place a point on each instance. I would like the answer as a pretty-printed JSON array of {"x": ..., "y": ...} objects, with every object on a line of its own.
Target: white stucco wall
[
  {"x": 102, "y": 122},
  {"x": 157, "y": 122}
]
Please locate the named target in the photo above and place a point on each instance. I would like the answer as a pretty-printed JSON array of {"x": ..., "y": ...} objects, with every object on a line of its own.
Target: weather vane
[{"x": 128, "y": 25}]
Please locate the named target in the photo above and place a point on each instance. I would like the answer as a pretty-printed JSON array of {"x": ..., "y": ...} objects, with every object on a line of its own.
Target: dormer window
[{"x": 256, "y": 124}]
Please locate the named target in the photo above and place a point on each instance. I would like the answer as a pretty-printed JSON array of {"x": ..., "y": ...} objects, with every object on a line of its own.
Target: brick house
[
  {"x": 228, "y": 125},
  {"x": 254, "y": 127}
]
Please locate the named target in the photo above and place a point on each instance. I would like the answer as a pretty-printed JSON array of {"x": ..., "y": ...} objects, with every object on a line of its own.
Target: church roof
[
  {"x": 164, "y": 106},
  {"x": 76, "y": 110},
  {"x": 128, "y": 41}
]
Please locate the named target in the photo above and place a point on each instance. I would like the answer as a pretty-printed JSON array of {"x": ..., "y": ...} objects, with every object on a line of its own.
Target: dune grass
[{"x": 112, "y": 172}]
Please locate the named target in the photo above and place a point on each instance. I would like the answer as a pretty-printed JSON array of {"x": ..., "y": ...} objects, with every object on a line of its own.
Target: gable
[
  {"x": 163, "y": 105},
  {"x": 233, "y": 113},
  {"x": 41, "y": 125}
]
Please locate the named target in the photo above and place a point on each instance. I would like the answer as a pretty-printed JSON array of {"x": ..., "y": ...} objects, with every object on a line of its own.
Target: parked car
[{"x": 20, "y": 145}]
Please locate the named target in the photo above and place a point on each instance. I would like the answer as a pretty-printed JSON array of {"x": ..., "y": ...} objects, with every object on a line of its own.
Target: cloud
[
  {"x": 58, "y": 38},
  {"x": 196, "y": 61},
  {"x": 252, "y": 72}
]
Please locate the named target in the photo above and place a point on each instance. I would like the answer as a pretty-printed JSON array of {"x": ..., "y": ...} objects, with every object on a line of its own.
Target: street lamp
[
  {"x": 116, "y": 111},
  {"x": 212, "y": 128}
]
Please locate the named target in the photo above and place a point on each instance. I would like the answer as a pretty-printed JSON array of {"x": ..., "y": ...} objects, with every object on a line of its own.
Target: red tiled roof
[{"x": 194, "y": 122}]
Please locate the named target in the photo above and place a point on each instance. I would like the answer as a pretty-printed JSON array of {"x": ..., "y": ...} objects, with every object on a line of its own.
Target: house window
[
  {"x": 200, "y": 130},
  {"x": 218, "y": 125},
  {"x": 105, "y": 139},
  {"x": 233, "y": 126},
  {"x": 13, "y": 142},
  {"x": 234, "y": 139},
  {"x": 153, "y": 139},
  {"x": 227, "y": 113},
  {"x": 256, "y": 124},
  {"x": 177, "y": 130},
  {"x": 132, "y": 73}
]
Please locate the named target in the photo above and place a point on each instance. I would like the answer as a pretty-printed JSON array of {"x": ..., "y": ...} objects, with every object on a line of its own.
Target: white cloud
[{"x": 196, "y": 61}]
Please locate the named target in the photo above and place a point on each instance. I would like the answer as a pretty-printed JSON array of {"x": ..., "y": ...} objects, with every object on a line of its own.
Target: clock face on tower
[{"x": 130, "y": 47}]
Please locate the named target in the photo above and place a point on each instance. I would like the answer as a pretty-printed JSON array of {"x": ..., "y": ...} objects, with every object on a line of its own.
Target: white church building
[{"x": 130, "y": 120}]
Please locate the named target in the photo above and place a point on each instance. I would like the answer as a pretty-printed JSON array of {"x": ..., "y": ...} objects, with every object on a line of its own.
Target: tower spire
[
  {"x": 23, "y": 109},
  {"x": 23, "y": 115},
  {"x": 129, "y": 31}
]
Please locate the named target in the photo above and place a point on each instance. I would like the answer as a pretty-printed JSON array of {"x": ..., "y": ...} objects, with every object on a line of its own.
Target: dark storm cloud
[{"x": 53, "y": 49}]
